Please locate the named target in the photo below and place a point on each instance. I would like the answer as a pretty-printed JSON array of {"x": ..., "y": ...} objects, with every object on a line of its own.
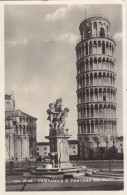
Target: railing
[
  {"x": 94, "y": 36},
  {"x": 96, "y": 16}
]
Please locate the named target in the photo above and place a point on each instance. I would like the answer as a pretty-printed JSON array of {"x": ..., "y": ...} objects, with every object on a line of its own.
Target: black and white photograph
[{"x": 63, "y": 97}]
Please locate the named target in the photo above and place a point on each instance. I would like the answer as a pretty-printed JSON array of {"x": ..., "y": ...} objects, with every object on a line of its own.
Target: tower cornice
[{"x": 97, "y": 56}]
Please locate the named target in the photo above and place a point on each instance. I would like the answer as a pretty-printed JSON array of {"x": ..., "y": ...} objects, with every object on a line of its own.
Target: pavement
[
  {"x": 100, "y": 180},
  {"x": 68, "y": 185}
]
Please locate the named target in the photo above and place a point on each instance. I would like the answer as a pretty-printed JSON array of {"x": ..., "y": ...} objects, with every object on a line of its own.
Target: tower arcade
[{"x": 96, "y": 91}]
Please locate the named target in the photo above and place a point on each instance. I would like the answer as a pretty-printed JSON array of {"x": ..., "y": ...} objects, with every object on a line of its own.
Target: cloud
[
  {"x": 58, "y": 14},
  {"x": 62, "y": 12},
  {"x": 68, "y": 37},
  {"x": 18, "y": 42},
  {"x": 117, "y": 37}
]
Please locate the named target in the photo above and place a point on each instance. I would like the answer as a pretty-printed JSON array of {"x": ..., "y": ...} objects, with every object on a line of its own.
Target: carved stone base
[{"x": 59, "y": 147}]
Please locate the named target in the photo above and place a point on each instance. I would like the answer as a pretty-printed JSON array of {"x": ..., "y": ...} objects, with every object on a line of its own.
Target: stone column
[
  {"x": 97, "y": 94},
  {"x": 88, "y": 95},
  {"x": 11, "y": 145},
  {"x": 93, "y": 110},
  {"x": 85, "y": 111},
  {"x": 86, "y": 98},
  {"x": 93, "y": 126},
  {"x": 82, "y": 112},
  {"x": 79, "y": 113},
  {"x": 90, "y": 125},
  {"x": 85, "y": 81},
  {"x": 25, "y": 147},
  {"x": 115, "y": 126},
  {"x": 98, "y": 110},
  {"x": 103, "y": 130},
  {"x": 84, "y": 95},
  {"x": 83, "y": 127},
  {"x": 18, "y": 147},
  {"x": 86, "y": 127},
  {"x": 88, "y": 48},
  {"x": 110, "y": 111},
  {"x": 84, "y": 50},
  {"x": 89, "y": 111},
  {"x": 88, "y": 79},
  {"x": 79, "y": 128},
  {"x": 111, "y": 96}
]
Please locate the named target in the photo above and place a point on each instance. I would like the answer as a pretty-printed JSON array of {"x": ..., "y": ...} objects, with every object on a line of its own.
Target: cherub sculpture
[
  {"x": 51, "y": 114},
  {"x": 62, "y": 121},
  {"x": 57, "y": 115}
]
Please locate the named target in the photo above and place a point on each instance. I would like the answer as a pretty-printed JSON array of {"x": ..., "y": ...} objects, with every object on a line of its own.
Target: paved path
[{"x": 68, "y": 186}]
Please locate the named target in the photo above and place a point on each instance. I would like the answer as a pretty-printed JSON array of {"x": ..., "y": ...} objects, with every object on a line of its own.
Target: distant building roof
[
  {"x": 19, "y": 113},
  {"x": 47, "y": 143}
]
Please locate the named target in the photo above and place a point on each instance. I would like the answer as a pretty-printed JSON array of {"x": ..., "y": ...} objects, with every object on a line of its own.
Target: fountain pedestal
[{"x": 59, "y": 148}]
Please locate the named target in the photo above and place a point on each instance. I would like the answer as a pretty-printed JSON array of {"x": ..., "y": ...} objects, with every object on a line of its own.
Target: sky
[{"x": 40, "y": 58}]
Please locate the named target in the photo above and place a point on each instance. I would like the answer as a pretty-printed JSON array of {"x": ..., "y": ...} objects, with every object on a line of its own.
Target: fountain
[{"x": 60, "y": 165}]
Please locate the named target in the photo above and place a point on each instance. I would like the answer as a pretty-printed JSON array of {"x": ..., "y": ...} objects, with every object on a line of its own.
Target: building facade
[
  {"x": 43, "y": 149},
  {"x": 96, "y": 91},
  {"x": 73, "y": 149},
  {"x": 120, "y": 147},
  {"x": 20, "y": 131}
]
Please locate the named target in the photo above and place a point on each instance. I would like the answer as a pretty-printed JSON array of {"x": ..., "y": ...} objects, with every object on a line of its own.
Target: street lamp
[{"x": 89, "y": 149}]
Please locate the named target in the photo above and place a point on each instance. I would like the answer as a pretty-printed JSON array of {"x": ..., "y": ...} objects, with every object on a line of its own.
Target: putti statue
[{"x": 57, "y": 115}]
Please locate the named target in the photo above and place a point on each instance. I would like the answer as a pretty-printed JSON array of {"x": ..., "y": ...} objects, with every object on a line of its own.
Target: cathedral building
[
  {"x": 96, "y": 91},
  {"x": 20, "y": 131}
]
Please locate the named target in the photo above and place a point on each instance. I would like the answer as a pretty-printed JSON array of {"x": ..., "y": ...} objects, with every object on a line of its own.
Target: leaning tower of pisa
[{"x": 96, "y": 91}]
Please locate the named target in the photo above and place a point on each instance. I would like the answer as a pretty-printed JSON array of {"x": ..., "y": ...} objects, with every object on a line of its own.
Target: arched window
[
  {"x": 88, "y": 33},
  {"x": 95, "y": 60},
  {"x": 90, "y": 47},
  {"x": 86, "y": 49},
  {"x": 91, "y": 64},
  {"x": 16, "y": 130},
  {"x": 102, "y": 32},
  {"x": 95, "y": 44},
  {"x": 104, "y": 96},
  {"x": 92, "y": 110},
  {"x": 103, "y": 48},
  {"x": 87, "y": 68},
  {"x": 23, "y": 130},
  {"x": 99, "y": 60},
  {"x": 88, "y": 128},
  {"x": 99, "y": 44},
  {"x": 91, "y": 79}
]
